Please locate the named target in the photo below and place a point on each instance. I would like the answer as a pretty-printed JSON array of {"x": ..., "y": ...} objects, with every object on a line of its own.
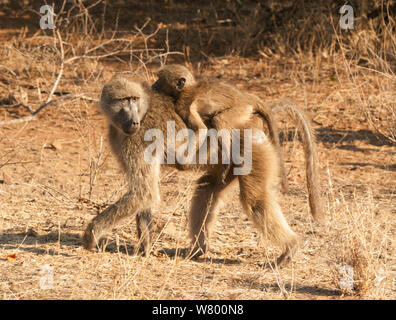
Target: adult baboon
[
  {"x": 220, "y": 105},
  {"x": 132, "y": 108},
  {"x": 126, "y": 104}
]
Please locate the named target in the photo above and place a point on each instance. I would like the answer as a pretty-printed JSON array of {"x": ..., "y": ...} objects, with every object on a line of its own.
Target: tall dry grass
[{"x": 362, "y": 265}]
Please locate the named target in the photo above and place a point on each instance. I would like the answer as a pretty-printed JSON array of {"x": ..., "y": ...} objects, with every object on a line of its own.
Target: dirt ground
[{"x": 57, "y": 173}]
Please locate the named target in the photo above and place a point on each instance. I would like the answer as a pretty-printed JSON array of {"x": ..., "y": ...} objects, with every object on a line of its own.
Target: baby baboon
[
  {"x": 220, "y": 105},
  {"x": 216, "y": 105},
  {"x": 131, "y": 109}
]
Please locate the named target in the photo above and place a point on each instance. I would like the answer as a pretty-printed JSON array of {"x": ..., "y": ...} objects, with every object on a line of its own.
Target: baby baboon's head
[{"x": 172, "y": 79}]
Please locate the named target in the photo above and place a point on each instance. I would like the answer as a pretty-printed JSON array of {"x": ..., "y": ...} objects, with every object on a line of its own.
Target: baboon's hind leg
[
  {"x": 258, "y": 194},
  {"x": 267, "y": 216}
]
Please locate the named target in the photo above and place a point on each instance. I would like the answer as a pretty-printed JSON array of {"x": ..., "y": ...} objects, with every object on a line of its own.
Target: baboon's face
[
  {"x": 170, "y": 85},
  {"x": 173, "y": 79},
  {"x": 128, "y": 113},
  {"x": 175, "y": 86},
  {"x": 125, "y": 105}
]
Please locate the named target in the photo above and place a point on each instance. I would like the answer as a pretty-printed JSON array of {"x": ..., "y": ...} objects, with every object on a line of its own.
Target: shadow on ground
[
  {"x": 338, "y": 136},
  {"x": 25, "y": 241},
  {"x": 329, "y": 135},
  {"x": 391, "y": 167},
  {"x": 185, "y": 252}
]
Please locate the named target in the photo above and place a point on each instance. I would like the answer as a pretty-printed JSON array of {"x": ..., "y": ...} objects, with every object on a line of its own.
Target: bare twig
[
  {"x": 94, "y": 168},
  {"x": 17, "y": 105},
  {"x": 14, "y": 121},
  {"x": 41, "y": 107},
  {"x": 67, "y": 96},
  {"x": 8, "y": 69},
  {"x": 61, "y": 68}
]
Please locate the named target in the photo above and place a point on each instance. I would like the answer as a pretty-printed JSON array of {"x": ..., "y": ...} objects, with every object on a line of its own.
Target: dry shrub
[
  {"x": 367, "y": 246},
  {"x": 371, "y": 48},
  {"x": 70, "y": 56}
]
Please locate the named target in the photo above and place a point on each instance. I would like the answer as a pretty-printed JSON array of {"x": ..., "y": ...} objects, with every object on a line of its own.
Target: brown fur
[
  {"x": 258, "y": 191},
  {"x": 217, "y": 105},
  {"x": 143, "y": 178},
  {"x": 311, "y": 158},
  {"x": 258, "y": 196}
]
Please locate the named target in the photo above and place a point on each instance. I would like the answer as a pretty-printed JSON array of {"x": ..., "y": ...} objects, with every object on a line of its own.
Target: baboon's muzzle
[{"x": 130, "y": 127}]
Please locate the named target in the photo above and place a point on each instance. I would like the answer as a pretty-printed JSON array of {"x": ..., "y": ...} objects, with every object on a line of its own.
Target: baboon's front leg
[
  {"x": 108, "y": 219},
  {"x": 144, "y": 226},
  {"x": 203, "y": 210},
  {"x": 194, "y": 119}
]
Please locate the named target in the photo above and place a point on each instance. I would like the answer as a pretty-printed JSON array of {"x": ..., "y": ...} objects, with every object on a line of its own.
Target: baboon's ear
[{"x": 180, "y": 83}]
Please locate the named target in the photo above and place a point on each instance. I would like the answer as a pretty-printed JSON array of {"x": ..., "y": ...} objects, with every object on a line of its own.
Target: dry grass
[
  {"x": 57, "y": 172},
  {"x": 366, "y": 248}
]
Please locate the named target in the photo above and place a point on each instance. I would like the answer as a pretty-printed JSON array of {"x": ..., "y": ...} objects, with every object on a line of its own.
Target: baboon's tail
[
  {"x": 268, "y": 116},
  {"x": 311, "y": 163}
]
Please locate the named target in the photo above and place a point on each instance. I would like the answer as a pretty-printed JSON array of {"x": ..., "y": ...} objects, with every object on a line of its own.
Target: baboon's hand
[
  {"x": 192, "y": 124},
  {"x": 224, "y": 173},
  {"x": 88, "y": 240}
]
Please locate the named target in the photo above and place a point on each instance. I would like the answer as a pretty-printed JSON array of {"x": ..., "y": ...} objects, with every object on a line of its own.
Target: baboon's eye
[
  {"x": 180, "y": 83},
  {"x": 134, "y": 99}
]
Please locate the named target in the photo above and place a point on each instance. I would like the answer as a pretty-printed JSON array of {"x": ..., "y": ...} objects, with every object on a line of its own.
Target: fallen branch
[
  {"x": 33, "y": 117},
  {"x": 24, "y": 119},
  {"x": 17, "y": 105}
]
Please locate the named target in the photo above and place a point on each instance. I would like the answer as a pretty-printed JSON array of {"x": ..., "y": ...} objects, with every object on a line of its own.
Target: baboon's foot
[
  {"x": 286, "y": 256},
  {"x": 196, "y": 252},
  {"x": 283, "y": 259},
  {"x": 144, "y": 249}
]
